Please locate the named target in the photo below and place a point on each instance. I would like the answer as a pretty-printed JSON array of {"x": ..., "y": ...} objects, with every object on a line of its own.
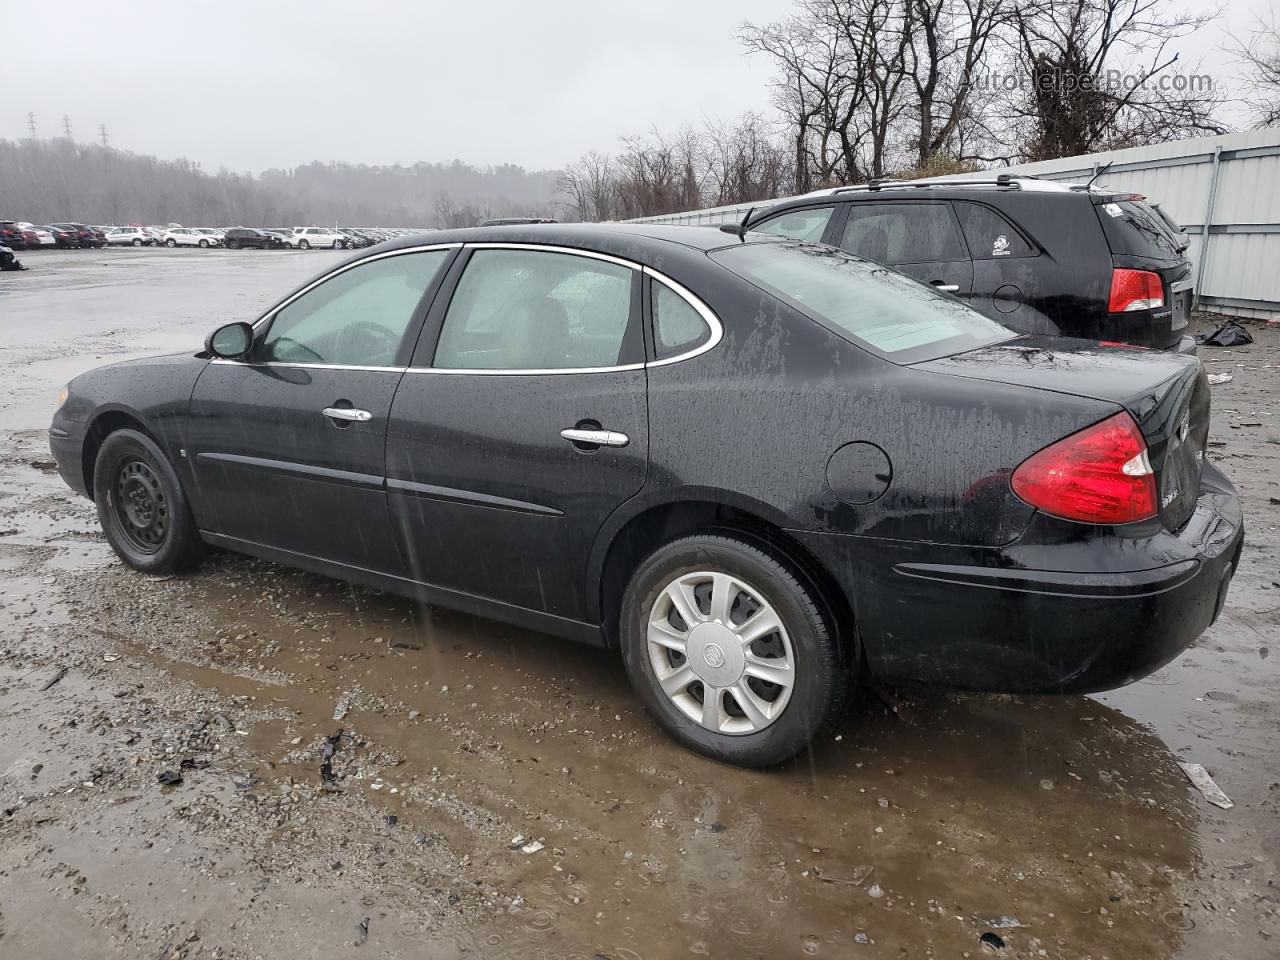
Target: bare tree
[
  {"x": 1260, "y": 54},
  {"x": 1098, "y": 74}
]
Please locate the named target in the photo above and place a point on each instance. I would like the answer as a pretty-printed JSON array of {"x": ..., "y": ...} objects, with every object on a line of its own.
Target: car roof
[{"x": 635, "y": 240}]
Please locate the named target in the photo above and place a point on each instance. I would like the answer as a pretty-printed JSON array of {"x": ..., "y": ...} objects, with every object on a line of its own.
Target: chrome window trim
[
  {"x": 708, "y": 316},
  {"x": 309, "y": 366}
]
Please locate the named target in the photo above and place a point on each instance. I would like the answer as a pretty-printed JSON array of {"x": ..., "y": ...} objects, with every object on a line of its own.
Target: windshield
[{"x": 880, "y": 309}]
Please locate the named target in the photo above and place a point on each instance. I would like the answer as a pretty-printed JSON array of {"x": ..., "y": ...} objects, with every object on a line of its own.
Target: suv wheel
[
  {"x": 304, "y": 244},
  {"x": 171, "y": 242},
  {"x": 204, "y": 243},
  {"x": 137, "y": 242},
  {"x": 730, "y": 651},
  {"x": 141, "y": 506}
]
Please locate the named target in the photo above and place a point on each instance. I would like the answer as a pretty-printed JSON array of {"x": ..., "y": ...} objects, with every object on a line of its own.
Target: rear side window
[
  {"x": 535, "y": 310},
  {"x": 806, "y": 224},
  {"x": 677, "y": 327},
  {"x": 878, "y": 308},
  {"x": 896, "y": 233},
  {"x": 1133, "y": 229},
  {"x": 989, "y": 235}
]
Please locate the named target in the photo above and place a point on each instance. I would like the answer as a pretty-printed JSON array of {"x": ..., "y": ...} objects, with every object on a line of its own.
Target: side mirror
[{"x": 230, "y": 342}]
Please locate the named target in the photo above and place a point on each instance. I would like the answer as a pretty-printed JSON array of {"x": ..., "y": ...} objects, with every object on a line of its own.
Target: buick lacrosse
[{"x": 760, "y": 469}]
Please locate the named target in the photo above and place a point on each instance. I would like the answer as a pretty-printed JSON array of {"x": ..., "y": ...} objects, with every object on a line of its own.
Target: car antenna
[
  {"x": 1101, "y": 170},
  {"x": 739, "y": 230}
]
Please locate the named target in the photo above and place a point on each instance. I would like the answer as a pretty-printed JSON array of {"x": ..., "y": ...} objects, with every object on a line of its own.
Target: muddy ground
[{"x": 501, "y": 793}]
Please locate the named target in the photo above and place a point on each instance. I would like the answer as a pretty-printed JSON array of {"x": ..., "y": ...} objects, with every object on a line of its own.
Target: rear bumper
[{"x": 999, "y": 625}]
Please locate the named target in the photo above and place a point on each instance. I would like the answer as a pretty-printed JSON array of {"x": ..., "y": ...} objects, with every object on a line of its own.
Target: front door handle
[
  {"x": 945, "y": 287},
  {"x": 349, "y": 414},
  {"x": 596, "y": 438}
]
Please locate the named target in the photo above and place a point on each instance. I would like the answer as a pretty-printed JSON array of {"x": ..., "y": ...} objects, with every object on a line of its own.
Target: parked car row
[{"x": 18, "y": 235}]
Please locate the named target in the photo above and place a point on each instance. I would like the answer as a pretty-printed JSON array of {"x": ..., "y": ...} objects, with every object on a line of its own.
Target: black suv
[{"x": 1036, "y": 255}]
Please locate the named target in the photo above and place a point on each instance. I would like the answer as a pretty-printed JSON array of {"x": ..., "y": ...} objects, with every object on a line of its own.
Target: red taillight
[
  {"x": 1135, "y": 290},
  {"x": 1099, "y": 475}
]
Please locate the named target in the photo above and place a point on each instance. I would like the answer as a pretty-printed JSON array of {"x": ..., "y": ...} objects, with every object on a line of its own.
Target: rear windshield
[
  {"x": 878, "y": 308},
  {"x": 1134, "y": 229}
]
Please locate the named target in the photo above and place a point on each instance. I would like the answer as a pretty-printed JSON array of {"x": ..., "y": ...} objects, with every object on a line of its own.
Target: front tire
[
  {"x": 171, "y": 242},
  {"x": 204, "y": 244},
  {"x": 304, "y": 244},
  {"x": 141, "y": 506},
  {"x": 710, "y": 613},
  {"x": 137, "y": 242}
]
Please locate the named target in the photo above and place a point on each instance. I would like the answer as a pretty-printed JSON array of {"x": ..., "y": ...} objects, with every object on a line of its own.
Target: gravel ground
[{"x": 497, "y": 793}]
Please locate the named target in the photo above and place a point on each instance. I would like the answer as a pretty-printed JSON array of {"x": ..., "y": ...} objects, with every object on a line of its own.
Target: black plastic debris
[
  {"x": 1227, "y": 334},
  {"x": 169, "y": 778},
  {"x": 326, "y": 760},
  {"x": 362, "y": 932},
  {"x": 190, "y": 763},
  {"x": 992, "y": 941},
  {"x": 61, "y": 672},
  {"x": 392, "y": 819}
]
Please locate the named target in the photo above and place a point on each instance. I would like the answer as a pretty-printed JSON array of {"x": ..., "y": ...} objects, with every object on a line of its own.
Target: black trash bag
[{"x": 1228, "y": 334}]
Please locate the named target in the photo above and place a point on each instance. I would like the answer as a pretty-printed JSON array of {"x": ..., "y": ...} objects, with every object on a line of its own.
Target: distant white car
[
  {"x": 186, "y": 237},
  {"x": 304, "y": 238},
  {"x": 130, "y": 237},
  {"x": 216, "y": 236},
  {"x": 47, "y": 239}
]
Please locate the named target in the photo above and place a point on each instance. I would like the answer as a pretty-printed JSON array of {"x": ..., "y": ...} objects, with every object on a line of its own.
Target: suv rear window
[
  {"x": 1133, "y": 229},
  {"x": 880, "y": 309}
]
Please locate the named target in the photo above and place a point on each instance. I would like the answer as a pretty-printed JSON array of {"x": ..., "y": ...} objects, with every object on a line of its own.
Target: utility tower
[
  {"x": 66, "y": 125},
  {"x": 31, "y": 124},
  {"x": 102, "y": 133}
]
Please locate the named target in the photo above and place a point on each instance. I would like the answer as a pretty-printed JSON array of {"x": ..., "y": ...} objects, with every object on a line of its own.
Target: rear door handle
[
  {"x": 596, "y": 438},
  {"x": 348, "y": 414},
  {"x": 945, "y": 287}
]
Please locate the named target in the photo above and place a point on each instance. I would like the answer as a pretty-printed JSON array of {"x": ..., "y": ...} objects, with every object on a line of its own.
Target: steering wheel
[
  {"x": 291, "y": 347},
  {"x": 385, "y": 342}
]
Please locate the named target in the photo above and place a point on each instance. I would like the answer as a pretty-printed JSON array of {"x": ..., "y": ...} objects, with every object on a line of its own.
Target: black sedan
[
  {"x": 239, "y": 238},
  {"x": 762, "y": 470}
]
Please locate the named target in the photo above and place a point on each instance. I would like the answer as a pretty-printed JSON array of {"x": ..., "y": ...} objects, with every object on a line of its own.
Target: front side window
[
  {"x": 896, "y": 233},
  {"x": 876, "y": 307},
  {"x": 357, "y": 317},
  {"x": 677, "y": 326},
  {"x": 536, "y": 310},
  {"x": 807, "y": 224}
]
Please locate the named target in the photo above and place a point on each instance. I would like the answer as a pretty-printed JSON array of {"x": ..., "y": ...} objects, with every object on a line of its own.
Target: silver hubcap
[{"x": 721, "y": 653}]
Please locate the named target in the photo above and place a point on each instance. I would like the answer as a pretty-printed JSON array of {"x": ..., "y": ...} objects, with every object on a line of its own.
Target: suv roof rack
[{"x": 1003, "y": 180}]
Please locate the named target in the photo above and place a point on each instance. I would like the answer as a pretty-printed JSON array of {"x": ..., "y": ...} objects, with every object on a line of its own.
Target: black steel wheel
[{"x": 141, "y": 505}]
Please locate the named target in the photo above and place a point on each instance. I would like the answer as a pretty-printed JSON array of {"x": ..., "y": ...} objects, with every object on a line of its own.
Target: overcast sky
[{"x": 250, "y": 84}]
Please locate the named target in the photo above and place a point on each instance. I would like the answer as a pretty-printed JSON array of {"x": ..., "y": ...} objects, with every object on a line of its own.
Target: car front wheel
[
  {"x": 141, "y": 506},
  {"x": 304, "y": 245},
  {"x": 171, "y": 242},
  {"x": 731, "y": 651}
]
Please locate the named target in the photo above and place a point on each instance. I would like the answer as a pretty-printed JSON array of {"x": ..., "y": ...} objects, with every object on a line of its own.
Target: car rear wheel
[
  {"x": 141, "y": 506},
  {"x": 137, "y": 242},
  {"x": 730, "y": 650}
]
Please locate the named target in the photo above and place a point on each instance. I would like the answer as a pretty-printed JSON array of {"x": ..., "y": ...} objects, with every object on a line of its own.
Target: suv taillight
[
  {"x": 1099, "y": 475},
  {"x": 1135, "y": 290}
]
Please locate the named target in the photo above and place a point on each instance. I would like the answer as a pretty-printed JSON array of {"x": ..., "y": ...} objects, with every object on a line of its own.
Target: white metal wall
[{"x": 1230, "y": 183}]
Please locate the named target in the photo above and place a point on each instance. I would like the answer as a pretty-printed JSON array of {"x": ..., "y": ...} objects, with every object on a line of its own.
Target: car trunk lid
[{"x": 1167, "y": 394}]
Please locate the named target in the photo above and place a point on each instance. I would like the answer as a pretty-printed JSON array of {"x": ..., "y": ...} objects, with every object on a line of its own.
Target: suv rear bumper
[{"x": 999, "y": 626}]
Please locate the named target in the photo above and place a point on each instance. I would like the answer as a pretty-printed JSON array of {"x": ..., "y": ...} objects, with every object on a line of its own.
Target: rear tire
[
  {"x": 141, "y": 506},
  {"x": 778, "y": 719},
  {"x": 137, "y": 242}
]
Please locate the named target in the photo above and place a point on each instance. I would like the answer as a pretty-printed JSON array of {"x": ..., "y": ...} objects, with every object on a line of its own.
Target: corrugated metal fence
[{"x": 1224, "y": 190}]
